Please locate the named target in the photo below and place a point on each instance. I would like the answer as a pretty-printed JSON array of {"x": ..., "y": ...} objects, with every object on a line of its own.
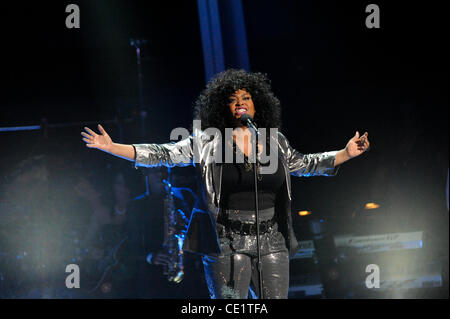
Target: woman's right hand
[{"x": 94, "y": 140}]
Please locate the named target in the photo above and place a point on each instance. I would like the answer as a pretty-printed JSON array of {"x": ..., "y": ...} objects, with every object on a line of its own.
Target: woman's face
[{"x": 240, "y": 102}]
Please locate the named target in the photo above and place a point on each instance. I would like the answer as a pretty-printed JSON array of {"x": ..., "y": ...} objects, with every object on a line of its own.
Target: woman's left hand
[{"x": 357, "y": 145}]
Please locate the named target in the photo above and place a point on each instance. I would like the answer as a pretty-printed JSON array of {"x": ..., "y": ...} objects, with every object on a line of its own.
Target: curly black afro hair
[{"x": 212, "y": 108}]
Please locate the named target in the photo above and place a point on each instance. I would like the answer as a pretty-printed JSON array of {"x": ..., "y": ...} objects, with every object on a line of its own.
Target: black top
[{"x": 238, "y": 187}]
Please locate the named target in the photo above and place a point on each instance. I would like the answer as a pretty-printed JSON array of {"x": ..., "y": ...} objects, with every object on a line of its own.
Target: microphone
[{"x": 247, "y": 120}]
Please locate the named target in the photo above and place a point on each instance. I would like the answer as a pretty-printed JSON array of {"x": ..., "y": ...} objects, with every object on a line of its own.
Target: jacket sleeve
[
  {"x": 170, "y": 154},
  {"x": 316, "y": 164}
]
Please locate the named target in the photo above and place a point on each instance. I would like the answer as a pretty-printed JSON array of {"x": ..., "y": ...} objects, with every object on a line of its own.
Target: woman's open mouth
[{"x": 240, "y": 110}]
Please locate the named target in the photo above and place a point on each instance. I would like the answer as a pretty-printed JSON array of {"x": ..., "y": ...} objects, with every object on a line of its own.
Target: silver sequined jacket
[{"x": 201, "y": 236}]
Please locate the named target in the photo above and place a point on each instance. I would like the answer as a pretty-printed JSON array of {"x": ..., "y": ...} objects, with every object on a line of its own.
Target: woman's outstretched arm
[
  {"x": 104, "y": 142},
  {"x": 325, "y": 163},
  {"x": 146, "y": 155}
]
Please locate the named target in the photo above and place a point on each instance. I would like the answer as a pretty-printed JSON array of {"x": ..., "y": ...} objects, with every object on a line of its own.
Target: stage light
[
  {"x": 106, "y": 287},
  {"x": 304, "y": 212},
  {"x": 371, "y": 206}
]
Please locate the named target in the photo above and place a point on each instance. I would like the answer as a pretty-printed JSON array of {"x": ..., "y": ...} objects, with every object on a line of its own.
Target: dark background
[{"x": 332, "y": 74}]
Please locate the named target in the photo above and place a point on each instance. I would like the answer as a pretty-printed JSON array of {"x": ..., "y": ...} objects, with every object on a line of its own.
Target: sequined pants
[{"x": 233, "y": 274}]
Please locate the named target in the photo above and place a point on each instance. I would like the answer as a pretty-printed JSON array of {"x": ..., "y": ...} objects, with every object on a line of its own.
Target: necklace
[{"x": 248, "y": 166}]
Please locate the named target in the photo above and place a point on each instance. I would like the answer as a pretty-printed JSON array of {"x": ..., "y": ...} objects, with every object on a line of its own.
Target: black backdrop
[{"x": 332, "y": 74}]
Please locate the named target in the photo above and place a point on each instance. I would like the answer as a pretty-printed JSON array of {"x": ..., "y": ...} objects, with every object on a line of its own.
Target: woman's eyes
[{"x": 234, "y": 100}]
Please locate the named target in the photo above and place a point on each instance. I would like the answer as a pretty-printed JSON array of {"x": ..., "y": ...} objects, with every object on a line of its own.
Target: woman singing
[{"x": 224, "y": 232}]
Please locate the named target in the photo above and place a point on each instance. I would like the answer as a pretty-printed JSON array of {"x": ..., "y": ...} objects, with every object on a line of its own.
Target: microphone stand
[
  {"x": 258, "y": 249},
  {"x": 137, "y": 43}
]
